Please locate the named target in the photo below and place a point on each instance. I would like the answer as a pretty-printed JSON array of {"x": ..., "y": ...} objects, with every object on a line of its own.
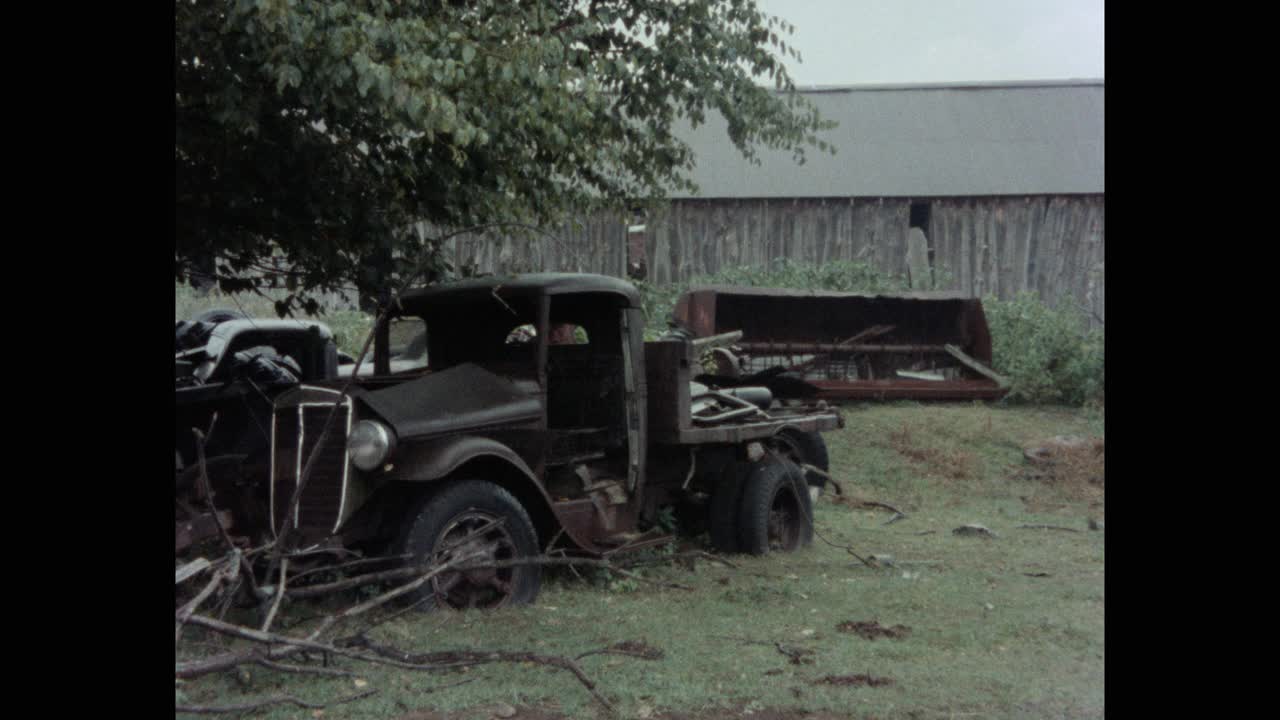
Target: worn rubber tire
[
  {"x": 809, "y": 448},
  {"x": 775, "y": 486},
  {"x": 723, "y": 513},
  {"x": 426, "y": 523}
]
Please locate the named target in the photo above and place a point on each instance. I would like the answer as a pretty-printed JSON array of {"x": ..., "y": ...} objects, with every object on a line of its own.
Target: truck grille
[{"x": 295, "y": 432}]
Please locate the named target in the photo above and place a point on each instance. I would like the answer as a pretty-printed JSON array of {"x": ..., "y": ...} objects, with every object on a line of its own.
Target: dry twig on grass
[
  {"x": 823, "y": 473},
  {"x": 360, "y": 648},
  {"x": 796, "y": 655}
]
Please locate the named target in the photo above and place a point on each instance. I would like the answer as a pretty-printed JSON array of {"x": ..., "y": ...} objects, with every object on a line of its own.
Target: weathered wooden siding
[
  {"x": 700, "y": 237},
  {"x": 596, "y": 245},
  {"x": 1053, "y": 246}
]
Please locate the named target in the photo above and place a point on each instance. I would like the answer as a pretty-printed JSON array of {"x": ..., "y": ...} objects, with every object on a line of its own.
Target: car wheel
[
  {"x": 723, "y": 512},
  {"x": 806, "y": 448},
  {"x": 442, "y": 523},
  {"x": 777, "y": 512}
]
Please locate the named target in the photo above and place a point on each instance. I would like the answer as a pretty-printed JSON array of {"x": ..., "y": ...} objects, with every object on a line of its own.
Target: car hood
[{"x": 462, "y": 397}]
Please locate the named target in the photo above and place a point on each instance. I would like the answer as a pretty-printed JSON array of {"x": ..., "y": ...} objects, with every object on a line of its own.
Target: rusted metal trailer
[{"x": 854, "y": 346}]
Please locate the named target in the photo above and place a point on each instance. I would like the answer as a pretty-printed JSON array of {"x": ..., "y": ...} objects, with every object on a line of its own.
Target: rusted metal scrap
[{"x": 910, "y": 345}]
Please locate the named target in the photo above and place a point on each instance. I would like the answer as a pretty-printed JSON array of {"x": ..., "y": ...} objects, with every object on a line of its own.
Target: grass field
[{"x": 1010, "y": 626}]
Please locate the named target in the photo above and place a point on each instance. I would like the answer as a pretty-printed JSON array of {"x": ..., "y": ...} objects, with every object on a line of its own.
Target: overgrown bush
[{"x": 1048, "y": 354}]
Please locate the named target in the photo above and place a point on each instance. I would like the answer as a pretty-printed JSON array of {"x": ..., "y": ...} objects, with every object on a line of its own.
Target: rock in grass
[{"x": 974, "y": 530}]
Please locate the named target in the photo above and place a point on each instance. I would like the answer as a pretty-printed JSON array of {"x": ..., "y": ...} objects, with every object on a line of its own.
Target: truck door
[{"x": 595, "y": 407}]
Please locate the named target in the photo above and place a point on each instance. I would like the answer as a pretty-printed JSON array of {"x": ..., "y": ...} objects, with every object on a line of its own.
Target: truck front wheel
[{"x": 481, "y": 521}]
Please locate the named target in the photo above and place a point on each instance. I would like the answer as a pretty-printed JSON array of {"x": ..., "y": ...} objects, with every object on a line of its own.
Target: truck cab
[{"x": 528, "y": 425}]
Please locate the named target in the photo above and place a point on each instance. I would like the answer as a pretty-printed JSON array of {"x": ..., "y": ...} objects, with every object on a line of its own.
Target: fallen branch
[
  {"x": 223, "y": 574},
  {"x": 352, "y": 564},
  {"x": 1048, "y": 527},
  {"x": 226, "y": 661},
  {"x": 279, "y": 593},
  {"x": 797, "y": 655},
  {"x": 304, "y": 669},
  {"x": 188, "y": 570},
  {"x": 823, "y": 473},
  {"x": 886, "y": 506},
  {"x": 471, "y": 658}
]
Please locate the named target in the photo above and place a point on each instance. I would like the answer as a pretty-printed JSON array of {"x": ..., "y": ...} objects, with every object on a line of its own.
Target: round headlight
[{"x": 369, "y": 444}]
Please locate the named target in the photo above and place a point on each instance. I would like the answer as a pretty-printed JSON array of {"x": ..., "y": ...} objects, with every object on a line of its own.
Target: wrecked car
[
  {"x": 232, "y": 369},
  {"x": 537, "y": 420}
]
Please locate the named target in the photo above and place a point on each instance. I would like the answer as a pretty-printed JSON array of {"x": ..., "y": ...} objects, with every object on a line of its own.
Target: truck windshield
[{"x": 500, "y": 336}]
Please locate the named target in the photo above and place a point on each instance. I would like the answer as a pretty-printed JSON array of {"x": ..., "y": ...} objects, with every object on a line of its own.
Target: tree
[{"x": 320, "y": 131}]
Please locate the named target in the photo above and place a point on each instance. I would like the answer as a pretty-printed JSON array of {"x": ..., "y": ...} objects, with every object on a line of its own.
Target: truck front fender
[
  {"x": 434, "y": 459},
  {"x": 487, "y": 459}
]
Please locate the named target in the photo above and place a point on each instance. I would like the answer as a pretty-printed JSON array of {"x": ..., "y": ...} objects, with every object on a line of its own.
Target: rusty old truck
[{"x": 537, "y": 419}]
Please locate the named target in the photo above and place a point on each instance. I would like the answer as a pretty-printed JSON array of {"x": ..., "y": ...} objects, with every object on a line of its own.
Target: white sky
[{"x": 843, "y": 42}]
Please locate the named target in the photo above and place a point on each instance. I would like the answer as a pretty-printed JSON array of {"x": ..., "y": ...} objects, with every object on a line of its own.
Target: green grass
[{"x": 986, "y": 640}]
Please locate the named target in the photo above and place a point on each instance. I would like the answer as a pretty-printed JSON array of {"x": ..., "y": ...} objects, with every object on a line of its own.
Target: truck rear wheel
[
  {"x": 460, "y": 519},
  {"x": 806, "y": 448},
  {"x": 777, "y": 512}
]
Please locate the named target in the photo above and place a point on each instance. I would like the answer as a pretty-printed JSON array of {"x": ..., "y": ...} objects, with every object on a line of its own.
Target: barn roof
[{"x": 957, "y": 139}]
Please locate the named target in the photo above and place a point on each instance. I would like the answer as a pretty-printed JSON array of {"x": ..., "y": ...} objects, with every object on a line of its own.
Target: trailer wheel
[
  {"x": 777, "y": 512},
  {"x": 806, "y": 448},
  {"x": 724, "y": 511},
  {"x": 445, "y": 518}
]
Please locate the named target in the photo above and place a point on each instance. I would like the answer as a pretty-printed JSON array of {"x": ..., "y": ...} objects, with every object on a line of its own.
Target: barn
[{"x": 984, "y": 188}]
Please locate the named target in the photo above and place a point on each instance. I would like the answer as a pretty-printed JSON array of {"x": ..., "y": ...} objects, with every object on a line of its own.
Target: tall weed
[{"x": 1048, "y": 354}]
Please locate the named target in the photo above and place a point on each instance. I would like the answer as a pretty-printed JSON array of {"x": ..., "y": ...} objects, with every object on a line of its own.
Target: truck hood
[{"x": 462, "y": 397}]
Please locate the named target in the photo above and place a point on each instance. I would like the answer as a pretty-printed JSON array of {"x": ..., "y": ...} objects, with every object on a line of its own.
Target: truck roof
[{"x": 528, "y": 284}]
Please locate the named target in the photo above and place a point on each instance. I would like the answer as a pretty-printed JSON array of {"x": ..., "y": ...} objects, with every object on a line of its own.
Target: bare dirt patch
[
  {"x": 859, "y": 680},
  {"x": 870, "y": 629},
  {"x": 951, "y": 463},
  {"x": 1076, "y": 465}
]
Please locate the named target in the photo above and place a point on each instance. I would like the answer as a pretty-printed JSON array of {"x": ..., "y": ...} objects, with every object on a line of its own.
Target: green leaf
[
  {"x": 385, "y": 131},
  {"x": 288, "y": 75}
]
